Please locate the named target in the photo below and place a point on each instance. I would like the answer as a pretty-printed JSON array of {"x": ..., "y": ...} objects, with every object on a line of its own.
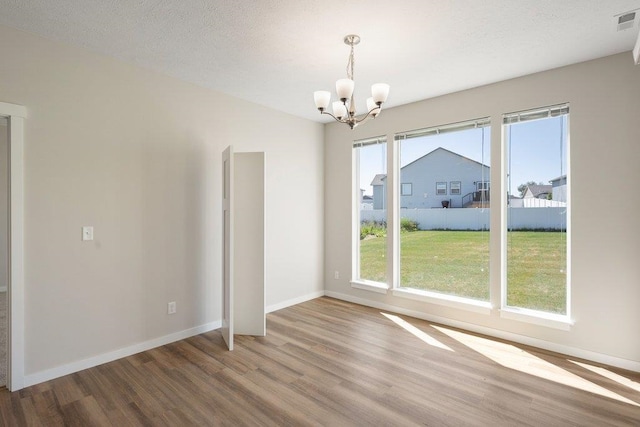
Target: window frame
[
  {"x": 438, "y": 193},
  {"x": 459, "y": 189},
  {"x": 450, "y": 300},
  {"x": 498, "y": 216},
  {"x": 357, "y": 281},
  {"x": 539, "y": 317}
]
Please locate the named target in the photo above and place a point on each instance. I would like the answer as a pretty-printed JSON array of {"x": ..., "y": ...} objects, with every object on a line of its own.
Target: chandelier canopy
[{"x": 344, "y": 110}]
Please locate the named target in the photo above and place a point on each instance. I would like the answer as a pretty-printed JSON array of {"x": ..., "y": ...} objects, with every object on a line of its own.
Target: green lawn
[{"x": 457, "y": 263}]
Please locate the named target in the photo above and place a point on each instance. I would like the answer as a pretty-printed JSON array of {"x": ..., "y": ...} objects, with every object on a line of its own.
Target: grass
[{"x": 457, "y": 263}]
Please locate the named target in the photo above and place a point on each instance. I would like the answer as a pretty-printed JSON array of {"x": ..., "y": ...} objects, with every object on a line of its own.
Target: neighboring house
[
  {"x": 437, "y": 177},
  {"x": 559, "y": 188},
  {"x": 537, "y": 191},
  {"x": 379, "y": 187},
  {"x": 537, "y": 196},
  {"x": 515, "y": 201},
  {"x": 366, "y": 203}
]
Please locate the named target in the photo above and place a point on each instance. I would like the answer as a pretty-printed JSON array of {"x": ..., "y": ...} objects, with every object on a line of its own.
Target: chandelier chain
[{"x": 350, "y": 63}]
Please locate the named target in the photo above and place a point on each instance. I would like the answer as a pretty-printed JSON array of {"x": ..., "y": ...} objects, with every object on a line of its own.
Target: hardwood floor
[{"x": 328, "y": 362}]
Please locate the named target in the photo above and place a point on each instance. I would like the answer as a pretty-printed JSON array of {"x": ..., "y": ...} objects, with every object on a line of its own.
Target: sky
[{"x": 537, "y": 151}]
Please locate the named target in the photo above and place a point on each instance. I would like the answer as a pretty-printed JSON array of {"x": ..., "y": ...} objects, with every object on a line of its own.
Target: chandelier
[{"x": 344, "y": 111}]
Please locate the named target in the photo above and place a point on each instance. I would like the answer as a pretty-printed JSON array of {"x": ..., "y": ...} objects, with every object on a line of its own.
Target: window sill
[
  {"x": 380, "y": 288},
  {"x": 468, "y": 304},
  {"x": 555, "y": 321}
]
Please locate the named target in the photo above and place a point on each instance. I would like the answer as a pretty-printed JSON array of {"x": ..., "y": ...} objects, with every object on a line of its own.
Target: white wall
[
  {"x": 137, "y": 155},
  {"x": 605, "y": 101}
]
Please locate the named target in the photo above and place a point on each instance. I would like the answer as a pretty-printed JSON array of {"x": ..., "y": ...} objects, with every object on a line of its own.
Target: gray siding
[{"x": 440, "y": 166}]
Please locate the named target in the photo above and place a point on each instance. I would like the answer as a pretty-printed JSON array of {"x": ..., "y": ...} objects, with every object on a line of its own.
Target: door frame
[{"x": 16, "y": 114}]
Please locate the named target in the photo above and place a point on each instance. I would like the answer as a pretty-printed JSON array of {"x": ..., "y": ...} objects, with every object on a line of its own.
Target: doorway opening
[
  {"x": 4, "y": 245},
  {"x": 14, "y": 117}
]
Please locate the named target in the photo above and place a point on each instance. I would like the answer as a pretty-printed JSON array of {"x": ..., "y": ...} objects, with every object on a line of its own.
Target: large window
[
  {"x": 445, "y": 251},
  {"x": 537, "y": 207},
  {"x": 370, "y": 186}
]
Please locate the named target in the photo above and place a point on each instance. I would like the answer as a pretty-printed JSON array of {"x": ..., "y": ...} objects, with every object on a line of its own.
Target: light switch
[{"x": 87, "y": 233}]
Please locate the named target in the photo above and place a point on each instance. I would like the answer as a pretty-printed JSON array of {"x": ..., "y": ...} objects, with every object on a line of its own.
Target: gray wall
[
  {"x": 137, "y": 155},
  {"x": 605, "y": 101}
]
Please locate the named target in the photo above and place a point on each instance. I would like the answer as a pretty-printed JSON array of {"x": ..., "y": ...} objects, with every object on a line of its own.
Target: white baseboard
[
  {"x": 90, "y": 362},
  {"x": 521, "y": 339},
  {"x": 294, "y": 301}
]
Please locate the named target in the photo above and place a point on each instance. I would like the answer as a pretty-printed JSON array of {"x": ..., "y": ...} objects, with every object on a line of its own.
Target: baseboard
[
  {"x": 521, "y": 339},
  {"x": 294, "y": 301},
  {"x": 80, "y": 365}
]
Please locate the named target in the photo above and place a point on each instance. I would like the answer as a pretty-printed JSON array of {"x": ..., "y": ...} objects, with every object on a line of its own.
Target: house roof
[
  {"x": 367, "y": 197},
  {"x": 537, "y": 190},
  {"x": 561, "y": 177},
  {"x": 448, "y": 151},
  {"x": 377, "y": 180}
]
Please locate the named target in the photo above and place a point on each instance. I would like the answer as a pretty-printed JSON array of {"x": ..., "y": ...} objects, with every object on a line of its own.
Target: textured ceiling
[{"x": 277, "y": 52}]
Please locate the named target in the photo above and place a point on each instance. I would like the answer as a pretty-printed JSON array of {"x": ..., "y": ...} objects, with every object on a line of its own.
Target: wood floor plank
[{"x": 330, "y": 362}]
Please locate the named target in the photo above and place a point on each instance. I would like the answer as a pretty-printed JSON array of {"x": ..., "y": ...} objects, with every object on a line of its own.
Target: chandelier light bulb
[
  {"x": 380, "y": 92},
  {"x": 322, "y": 99},
  {"x": 339, "y": 109},
  {"x": 344, "y": 89},
  {"x": 372, "y": 107}
]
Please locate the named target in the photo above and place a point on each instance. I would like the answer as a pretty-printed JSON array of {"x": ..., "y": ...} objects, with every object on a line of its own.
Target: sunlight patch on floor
[
  {"x": 415, "y": 331},
  {"x": 515, "y": 358},
  {"x": 611, "y": 375}
]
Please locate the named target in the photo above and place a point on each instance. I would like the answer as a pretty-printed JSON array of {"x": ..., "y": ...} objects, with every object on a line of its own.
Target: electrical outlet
[
  {"x": 336, "y": 274},
  {"x": 171, "y": 307}
]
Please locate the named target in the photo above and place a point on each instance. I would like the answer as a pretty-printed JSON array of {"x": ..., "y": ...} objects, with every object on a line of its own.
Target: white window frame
[
  {"x": 438, "y": 193},
  {"x": 542, "y": 318},
  {"x": 483, "y": 186},
  {"x": 356, "y": 281},
  {"x": 467, "y": 304},
  {"x": 402, "y": 189},
  {"x": 458, "y": 190}
]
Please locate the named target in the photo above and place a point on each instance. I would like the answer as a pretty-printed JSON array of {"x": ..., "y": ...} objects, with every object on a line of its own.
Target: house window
[
  {"x": 536, "y": 147},
  {"x": 455, "y": 187},
  {"x": 370, "y": 225},
  {"x": 442, "y": 253},
  {"x": 482, "y": 186},
  {"x": 406, "y": 189}
]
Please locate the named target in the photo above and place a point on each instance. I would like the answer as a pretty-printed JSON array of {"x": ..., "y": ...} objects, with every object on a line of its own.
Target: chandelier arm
[
  {"x": 334, "y": 117},
  {"x": 366, "y": 115}
]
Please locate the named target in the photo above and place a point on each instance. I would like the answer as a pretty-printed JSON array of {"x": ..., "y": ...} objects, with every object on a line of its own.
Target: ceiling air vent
[{"x": 626, "y": 21}]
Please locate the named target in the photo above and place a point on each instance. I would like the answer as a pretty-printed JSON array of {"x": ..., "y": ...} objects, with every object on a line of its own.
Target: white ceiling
[{"x": 277, "y": 52}]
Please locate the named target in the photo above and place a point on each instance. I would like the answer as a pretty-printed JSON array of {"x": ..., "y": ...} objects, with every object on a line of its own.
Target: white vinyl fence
[{"x": 550, "y": 218}]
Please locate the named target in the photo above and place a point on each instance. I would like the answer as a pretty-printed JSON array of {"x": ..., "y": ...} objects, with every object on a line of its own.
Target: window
[
  {"x": 537, "y": 210},
  {"x": 482, "y": 186},
  {"x": 455, "y": 187},
  {"x": 444, "y": 251},
  {"x": 405, "y": 189},
  {"x": 370, "y": 184}
]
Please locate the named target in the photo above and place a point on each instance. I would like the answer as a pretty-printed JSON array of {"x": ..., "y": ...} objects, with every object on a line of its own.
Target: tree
[{"x": 522, "y": 188}]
